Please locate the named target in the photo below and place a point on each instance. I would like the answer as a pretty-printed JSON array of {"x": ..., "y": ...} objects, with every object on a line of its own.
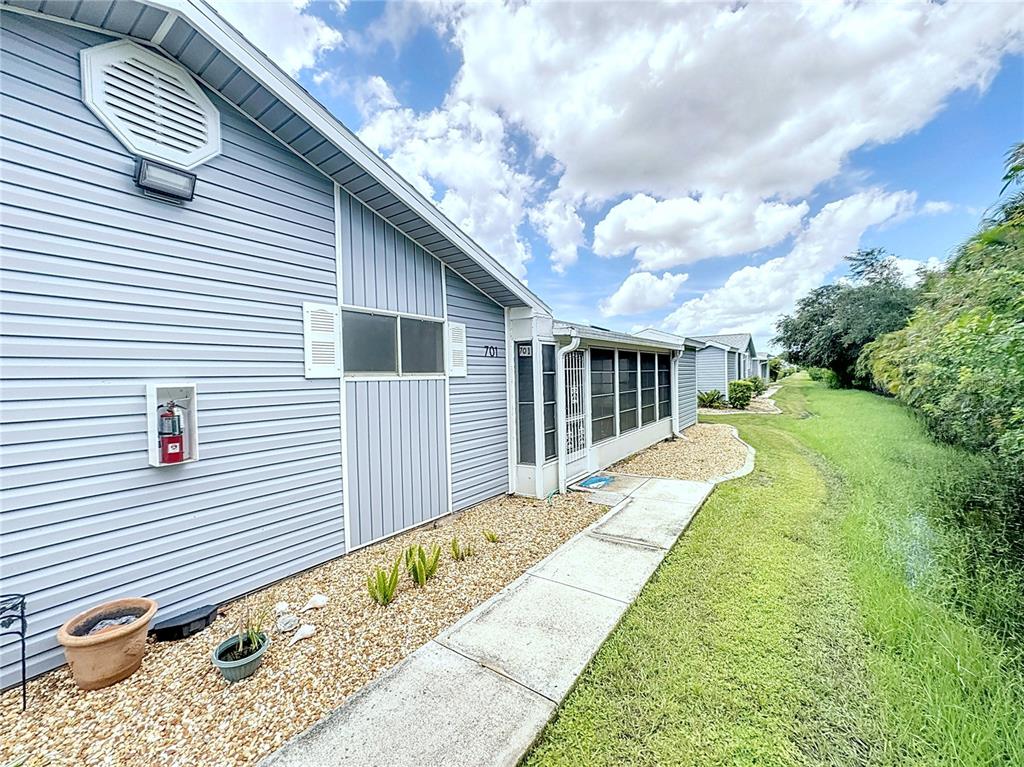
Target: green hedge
[{"x": 740, "y": 393}]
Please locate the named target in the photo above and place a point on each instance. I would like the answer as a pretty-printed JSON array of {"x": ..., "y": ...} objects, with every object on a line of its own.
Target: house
[
  {"x": 734, "y": 352},
  {"x": 763, "y": 366},
  {"x": 237, "y": 344}
]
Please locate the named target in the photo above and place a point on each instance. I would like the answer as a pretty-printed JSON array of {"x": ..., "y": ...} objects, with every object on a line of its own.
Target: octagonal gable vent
[{"x": 152, "y": 105}]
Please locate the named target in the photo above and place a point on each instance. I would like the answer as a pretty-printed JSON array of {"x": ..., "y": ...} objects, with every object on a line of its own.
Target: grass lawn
[{"x": 803, "y": 618}]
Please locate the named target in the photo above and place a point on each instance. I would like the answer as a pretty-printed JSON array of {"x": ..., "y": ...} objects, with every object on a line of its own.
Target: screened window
[
  {"x": 369, "y": 343},
  {"x": 648, "y": 389},
  {"x": 602, "y": 394},
  {"x": 548, "y": 379},
  {"x": 524, "y": 397},
  {"x": 627, "y": 392},
  {"x": 664, "y": 386},
  {"x": 422, "y": 346}
]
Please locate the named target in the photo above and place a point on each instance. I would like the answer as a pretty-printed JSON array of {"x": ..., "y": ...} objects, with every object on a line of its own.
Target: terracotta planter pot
[{"x": 102, "y": 659}]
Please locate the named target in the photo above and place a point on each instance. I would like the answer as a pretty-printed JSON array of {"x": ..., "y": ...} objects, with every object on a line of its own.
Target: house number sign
[
  {"x": 525, "y": 350},
  {"x": 490, "y": 351}
]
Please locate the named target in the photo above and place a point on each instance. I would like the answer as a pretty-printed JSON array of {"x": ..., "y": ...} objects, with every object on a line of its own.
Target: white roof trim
[{"x": 589, "y": 333}]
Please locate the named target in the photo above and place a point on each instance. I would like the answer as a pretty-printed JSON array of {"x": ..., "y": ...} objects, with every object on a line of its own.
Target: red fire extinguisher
[{"x": 172, "y": 439}]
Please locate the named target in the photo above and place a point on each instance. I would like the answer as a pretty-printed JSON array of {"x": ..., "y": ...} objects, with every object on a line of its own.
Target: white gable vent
[{"x": 152, "y": 105}]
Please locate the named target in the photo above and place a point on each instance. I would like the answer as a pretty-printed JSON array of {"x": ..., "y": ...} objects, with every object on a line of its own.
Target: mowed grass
[{"x": 800, "y": 619}]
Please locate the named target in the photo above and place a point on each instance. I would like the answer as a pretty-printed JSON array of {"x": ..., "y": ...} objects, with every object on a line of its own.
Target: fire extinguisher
[{"x": 172, "y": 439}]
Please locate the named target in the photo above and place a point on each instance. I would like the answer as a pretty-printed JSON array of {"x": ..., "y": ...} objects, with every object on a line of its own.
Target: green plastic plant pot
[{"x": 237, "y": 670}]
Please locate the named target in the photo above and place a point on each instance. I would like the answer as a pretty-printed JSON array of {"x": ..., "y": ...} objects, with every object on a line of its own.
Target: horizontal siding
[
  {"x": 479, "y": 429},
  {"x": 395, "y": 454},
  {"x": 104, "y": 291},
  {"x": 711, "y": 370},
  {"x": 731, "y": 370},
  {"x": 686, "y": 388},
  {"x": 384, "y": 269}
]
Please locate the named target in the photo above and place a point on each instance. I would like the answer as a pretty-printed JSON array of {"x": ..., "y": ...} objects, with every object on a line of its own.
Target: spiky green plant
[
  {"x": 382, "y": 584},
  {"x": 421, "y": 565},
  {"x": 461, "y": 550},
  {"x": 491, "y": 536}
]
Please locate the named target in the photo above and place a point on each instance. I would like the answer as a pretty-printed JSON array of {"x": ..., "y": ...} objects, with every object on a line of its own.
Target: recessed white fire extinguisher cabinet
[{"x": 171, "y": 423}]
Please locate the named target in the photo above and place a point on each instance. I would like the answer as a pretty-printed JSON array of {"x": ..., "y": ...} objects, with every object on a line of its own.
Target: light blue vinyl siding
[
  {"x": 105, "y": 291},
  {"x": 396, "y": 456},
  {"x": 732, "y": 371},
  {"x": 384, "y": 269},
  {"x": 478, "y": 401},
  {"x": 686, "y": 388},
  {"x": 711, "y": 370}
]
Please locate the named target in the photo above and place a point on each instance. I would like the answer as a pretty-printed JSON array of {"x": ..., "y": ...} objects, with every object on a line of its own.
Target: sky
[{"x": 691, "y": 167}]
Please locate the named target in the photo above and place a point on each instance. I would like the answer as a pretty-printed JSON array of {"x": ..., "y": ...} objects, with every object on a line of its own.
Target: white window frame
[{"x": 443, "y": 375}]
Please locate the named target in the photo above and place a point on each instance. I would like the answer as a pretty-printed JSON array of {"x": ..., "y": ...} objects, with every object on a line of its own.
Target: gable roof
[
  {"x": 592, "y": 333},
  {"x": 738, "y": 341},
  {"x": 191, "y": 33},
  {"x": 663, "y": 335}
]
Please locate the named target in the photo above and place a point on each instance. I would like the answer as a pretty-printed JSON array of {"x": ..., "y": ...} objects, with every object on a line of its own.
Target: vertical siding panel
[
  {"x": 214, "y": 290},
  {"x": 479, "y": 417},
  {"x": 387, "y": 270}
]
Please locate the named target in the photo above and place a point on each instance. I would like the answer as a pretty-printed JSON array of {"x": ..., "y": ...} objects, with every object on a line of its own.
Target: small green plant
[
  {"x": 461, "y": 550},
  {"x": 710, "y": 399},
  {"x": 382, "y": 584},
  {"x": 250, "y": 632},
  {"x": 740, "y": 393},
  {"x": 491, "y": 536},
  {"x": 759, "y": 384},
  {"x": 816, "y": 374},
  {"x": 421, "y": 565},
  {"x": 831, "y": 379}
]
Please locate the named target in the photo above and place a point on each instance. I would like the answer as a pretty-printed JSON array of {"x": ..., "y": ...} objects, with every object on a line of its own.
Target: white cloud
[
  {"x": 670, "y": 99},
  {"x": 751, "y": 298},
  {"x": 559, "y": 223},
  {"x": 667, "y": 233},
  {"x": 910, "y": 269},
  {"x": 937, "y": 208},
  {"x": 291, "y": 37},
  {"x": 458, "y": 155},
  {"x": 642, "y": 292}
]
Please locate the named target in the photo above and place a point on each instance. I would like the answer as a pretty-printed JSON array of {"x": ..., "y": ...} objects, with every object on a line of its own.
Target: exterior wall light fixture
[{"x": 164, "y": 181}]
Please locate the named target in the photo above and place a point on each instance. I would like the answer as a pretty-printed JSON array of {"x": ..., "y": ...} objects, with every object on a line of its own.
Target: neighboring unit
[{"x": 237, "y": 344}]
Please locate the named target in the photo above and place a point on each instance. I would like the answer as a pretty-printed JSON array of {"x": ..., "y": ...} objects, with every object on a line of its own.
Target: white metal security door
[{"x": 575, "y": 407}]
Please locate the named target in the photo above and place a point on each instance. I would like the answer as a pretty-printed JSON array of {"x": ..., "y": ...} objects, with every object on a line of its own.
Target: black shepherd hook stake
[{"x": 12, "y": 612}]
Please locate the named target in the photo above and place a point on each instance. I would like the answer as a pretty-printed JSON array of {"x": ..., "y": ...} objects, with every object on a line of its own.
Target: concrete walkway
[{"x": 480, "y": 692}]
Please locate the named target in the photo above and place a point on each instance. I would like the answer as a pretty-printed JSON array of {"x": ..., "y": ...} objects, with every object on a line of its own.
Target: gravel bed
[
  {"x": 710, "y": 451},
  {"x": 762, "y": 405},
  {"x": 177, "y": 710}
]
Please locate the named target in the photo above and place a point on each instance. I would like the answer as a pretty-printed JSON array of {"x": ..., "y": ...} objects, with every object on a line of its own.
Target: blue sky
[{"x": 695, "y": 168}]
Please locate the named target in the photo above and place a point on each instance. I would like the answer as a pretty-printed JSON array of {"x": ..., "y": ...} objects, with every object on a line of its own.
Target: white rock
[
  {"x": 287, "y": 623},
  {"x": 306, "y": 630},
  {"x": 315, "y": 602},
  {"x": 281, "y": 608}
]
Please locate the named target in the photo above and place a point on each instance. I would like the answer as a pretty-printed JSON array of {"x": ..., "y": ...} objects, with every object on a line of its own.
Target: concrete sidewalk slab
[
  {"x": 678, "y": 490},
  {"x": 537, "y": 632},
  {"x": 435, "y": 708},
  {"x": 611, "y": 568},
  {"x": 647, "y": 520}
]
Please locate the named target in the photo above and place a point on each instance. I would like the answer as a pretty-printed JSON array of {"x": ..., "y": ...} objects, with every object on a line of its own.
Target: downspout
[
  {"x": 674, "y": 361},
  {"x": 563, "y": 482}
]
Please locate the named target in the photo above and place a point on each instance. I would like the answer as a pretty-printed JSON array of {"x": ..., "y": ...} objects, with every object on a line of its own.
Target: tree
[{"x": 833, "y": 323}]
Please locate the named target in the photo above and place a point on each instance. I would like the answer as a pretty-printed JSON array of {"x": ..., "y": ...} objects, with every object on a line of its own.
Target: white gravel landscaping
[
  {"x": 709, "y": 451},
  {"x": 177, "y": 710}
]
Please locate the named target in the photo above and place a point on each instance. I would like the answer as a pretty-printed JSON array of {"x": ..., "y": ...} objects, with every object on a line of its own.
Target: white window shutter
[
  {"x": 322, "y": 340},
  {"x": 457, "y": 360}
]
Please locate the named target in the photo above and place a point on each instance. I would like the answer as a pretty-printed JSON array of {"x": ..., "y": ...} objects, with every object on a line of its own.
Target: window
[
  {"x": 664, "y": 386},
  {"x": 602, "y": 394},
  {"x": 648, "y": 388},
  {"x": 627, "y": 392},
  {"x": 524, "y": 396},
  {"x": 422, "y": 346},
  {"x": 370, "y": 344},
  {"x": 547, "y": 354}
]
